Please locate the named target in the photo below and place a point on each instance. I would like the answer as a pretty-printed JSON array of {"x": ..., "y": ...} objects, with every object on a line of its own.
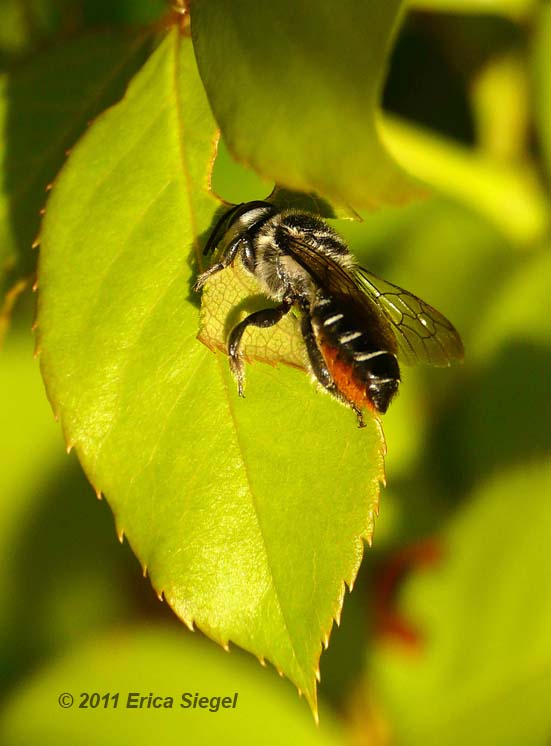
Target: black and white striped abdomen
[{"x": 363, "y": 372}]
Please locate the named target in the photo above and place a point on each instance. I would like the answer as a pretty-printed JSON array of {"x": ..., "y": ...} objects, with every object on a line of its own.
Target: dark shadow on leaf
[
  {"x": 51, "y": 98},
  {"x": 247, "y": 306},
  {"x": 193, "y": 296}
]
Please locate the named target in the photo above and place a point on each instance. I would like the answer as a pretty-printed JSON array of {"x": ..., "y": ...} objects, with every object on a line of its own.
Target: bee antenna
[{"x": 219, "y": 229}]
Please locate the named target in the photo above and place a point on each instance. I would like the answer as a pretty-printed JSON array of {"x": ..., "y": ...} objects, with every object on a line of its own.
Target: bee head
[{"x": 238, "y": 221}]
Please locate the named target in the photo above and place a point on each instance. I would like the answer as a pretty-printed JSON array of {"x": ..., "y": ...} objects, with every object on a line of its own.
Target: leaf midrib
[{"x": 254, "y": 503}]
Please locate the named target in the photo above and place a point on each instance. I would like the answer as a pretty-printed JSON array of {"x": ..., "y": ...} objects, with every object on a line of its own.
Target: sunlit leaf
[
  {"x": 249, "y": 515},
  {"x": 295, "y": 88}
]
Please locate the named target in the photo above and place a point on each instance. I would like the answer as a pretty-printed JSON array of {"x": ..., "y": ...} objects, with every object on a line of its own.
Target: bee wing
[
  {"x": 422, "y": 333},
  {"x": 324, "y": 270}
]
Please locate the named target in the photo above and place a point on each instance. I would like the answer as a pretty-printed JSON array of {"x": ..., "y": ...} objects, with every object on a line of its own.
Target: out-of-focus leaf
[
  {"x": 29, "y": 441},
  {"x": 26, "y": 24},
  {"x": 295, "y": 88},
  {"x": 13, "y": 33},
  {"x": 247, "y": 521},
  {"x": 515, "y": 9},
  {"x": 542, "y": 81},
  {"x": 510, "y": 196},
  {"x": 482, "y": 674},
  {"x": 164, "y": 664},
  {"x": 519, "y": 311},
  {"x": 59, "y": 563},
  {"x": 122, "y": 12},
  {"x": 233, "y": 182},
  {"x": 501, "y": 106},
  {"x": 44, "y": 106},
  {"x": 509, "y": 383}
]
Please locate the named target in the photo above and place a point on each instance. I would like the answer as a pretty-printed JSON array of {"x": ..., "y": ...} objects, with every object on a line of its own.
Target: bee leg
[
  {"x": 320, "y": 370},
  {"x": 228, "y": 257},
  {"x": 263, "y": 319},
  {"x": 359, "y": 415}
]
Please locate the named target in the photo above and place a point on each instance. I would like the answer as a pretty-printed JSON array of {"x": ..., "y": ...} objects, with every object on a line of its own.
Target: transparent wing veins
[{"x": 423, "y": 334}]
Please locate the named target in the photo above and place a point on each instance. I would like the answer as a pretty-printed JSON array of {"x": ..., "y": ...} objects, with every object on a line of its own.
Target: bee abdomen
[
  {"x": 364, "y": 373},
  {"x": 381, "y": 374}
]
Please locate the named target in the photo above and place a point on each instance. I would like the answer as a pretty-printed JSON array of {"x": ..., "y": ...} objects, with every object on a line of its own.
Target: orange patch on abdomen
[{"x": 342, "y": 374}]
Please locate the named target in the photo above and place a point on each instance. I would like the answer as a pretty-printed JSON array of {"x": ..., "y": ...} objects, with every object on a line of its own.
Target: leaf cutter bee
[{"x": 354, "y": 324}]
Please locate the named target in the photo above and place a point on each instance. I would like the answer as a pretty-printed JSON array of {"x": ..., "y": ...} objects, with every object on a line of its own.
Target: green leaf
[
  {"x": 295, "y": 88},
  {"x": 248, "y": 514},
  {"x": 501, "y": 107},
  {"x": 511, "y": 196},
  {"x": 49, "y": 511},
  {"x": 542, "y": 82},
  {"x": 25, "y": 469},
  {"x": 509, "y": 380},
  {"x": 13, "y": 32},
  {"x": 519, "y": 311},
  {"x": 482, "y": 674},
  {"x": 166, "y": 664},
  {"x": 44, "y": 106},
  {"x": 26, "y": 24},
  {"x": 515, "y": 9}
]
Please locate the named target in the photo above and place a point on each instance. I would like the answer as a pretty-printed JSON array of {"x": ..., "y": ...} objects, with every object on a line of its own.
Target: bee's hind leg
[{"x": 320, "y": 370}]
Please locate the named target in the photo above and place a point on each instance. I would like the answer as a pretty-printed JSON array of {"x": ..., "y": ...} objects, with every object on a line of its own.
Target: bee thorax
[{"x": 279, "y": 273}]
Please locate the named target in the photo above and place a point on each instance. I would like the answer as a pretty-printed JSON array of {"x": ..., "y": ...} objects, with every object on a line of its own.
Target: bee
[{"x": 355, "y": 325}]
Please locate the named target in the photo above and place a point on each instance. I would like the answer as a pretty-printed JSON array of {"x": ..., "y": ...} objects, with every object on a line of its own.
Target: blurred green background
[{"x": 447, "y": 636}]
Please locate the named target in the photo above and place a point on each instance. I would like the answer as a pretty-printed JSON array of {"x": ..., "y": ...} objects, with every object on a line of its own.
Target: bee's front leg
[{"x": 227, "y": 259}]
